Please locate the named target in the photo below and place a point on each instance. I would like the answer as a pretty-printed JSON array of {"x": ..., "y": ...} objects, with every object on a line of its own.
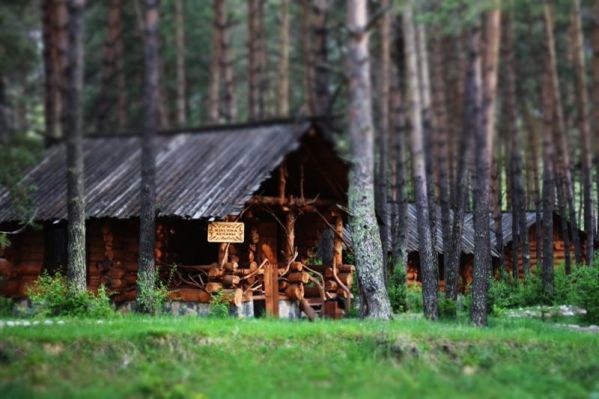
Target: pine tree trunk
[
  {"x": 382, "y": 178},
  {"x": 254, "y": 66},
  {"x": 112, "y": 72},
  {"x": 73, "y": 128},
  {"x": 548, "y": 183},
  {"x": 283, "y": 97},
  {"x": 320, "y": 14},
  {"x": 595, "y": 114},
  {"x": 55, "y": 48},
  {"x": 518, "y": 203},
  {"x": 215, "y": 69},
  {"x": 180, "y": 61},
  {"x": 427, "y": 264},
  {"x": 564, "y": 175},
  {"x": 147, "y": 213},
  {"x": 483, "y": 150},
  {"x": 584, "y": 128},
  {"x": 365, "y": 234},
  {"x": 398, "y": 162},
  {"x": 429, "y": 132},
  {"x": 308, "y": 63},
  {"x": 442, "y": 134},
  {"x": 229, "y": 109}
]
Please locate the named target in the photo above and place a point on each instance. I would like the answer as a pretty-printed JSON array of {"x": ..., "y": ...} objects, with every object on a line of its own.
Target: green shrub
[
  {"x": 50, "y": 296},
  {"x": 6, "y": 307},
  {"x": 397, "y": 290},
  {"x": 219, "y": 307},
  {"x": 152, "y": 299},
  {"x": 584, "y": 290},
  {"x": 447, "y": 308},
  {"x": 414, "y": 299}
]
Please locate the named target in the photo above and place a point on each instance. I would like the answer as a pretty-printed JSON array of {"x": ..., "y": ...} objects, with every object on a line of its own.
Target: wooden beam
[{"x": 292, "y": 202}]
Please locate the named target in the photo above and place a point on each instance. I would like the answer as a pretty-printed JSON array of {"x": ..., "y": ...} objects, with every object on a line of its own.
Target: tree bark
[
  {"x": 427, "y": 263},
  {"x": 180, "y": 61},
  {"x": 429, "y": 133},
  {"x": 442, "y": 134},
  {"x": 564, "y": 175},
  {"x": 113, "y": 86},
  {"x": 215, "y": 69},
  {"x": 382, "y": 179},
  {"x": 399, "y": 183},
  {"x": 320, "y": 14},
  {"x": 73, "y": 128},
  {"x": 307, "y": 67},
  {"x": 147, "y": 214},
  {"x": 254, "y": 64},
  {"x": 365, "y": 234},
  {"x": 595, "y": 94},
  {"x": 518, "y": 203},
  {"x": 283, "y": 98},
  {"x": 548, "y": 182},
  {"x": 583, "y": 127},
  {"x": 55, "y": 48},
  {"x": 483, "y": 149}
]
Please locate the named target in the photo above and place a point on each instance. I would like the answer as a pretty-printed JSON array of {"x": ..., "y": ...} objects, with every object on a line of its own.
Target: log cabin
[
  {"x": 282, "y": 180},
  {"x": 467, "y": 255}
]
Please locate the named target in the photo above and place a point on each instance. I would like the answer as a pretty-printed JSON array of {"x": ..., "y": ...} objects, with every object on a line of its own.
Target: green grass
[{"x": 167, "y": 357}]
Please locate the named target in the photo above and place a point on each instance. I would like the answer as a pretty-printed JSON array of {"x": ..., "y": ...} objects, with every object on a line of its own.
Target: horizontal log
[
  {"x": 299, "y": 277},
  {"x": 297, "y": 266},
  {"x": 213, "y": 287},
  {"x": 292, "y": 202},
  {"x": 231, "y": 280},
  {"x": 190, "y": 295}
]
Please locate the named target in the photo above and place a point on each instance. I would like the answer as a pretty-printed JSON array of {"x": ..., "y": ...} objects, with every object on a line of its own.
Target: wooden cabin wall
[
  {"x": 21, "y": 263},
  {"x": 559, "y": 249}
]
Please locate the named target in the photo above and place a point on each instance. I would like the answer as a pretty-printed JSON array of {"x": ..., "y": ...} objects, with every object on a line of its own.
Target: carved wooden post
[
  {"x": 338, "y": 247},
  {"x": 290, "y": 227}
]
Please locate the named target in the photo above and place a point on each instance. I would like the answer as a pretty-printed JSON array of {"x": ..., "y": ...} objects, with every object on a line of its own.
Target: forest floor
[{"x": 166, "y": 357}]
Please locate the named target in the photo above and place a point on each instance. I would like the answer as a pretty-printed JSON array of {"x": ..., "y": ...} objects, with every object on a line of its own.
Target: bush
[
  {"x": 152, "y": 299},
  {"x": 49, "y": 296},
  {"x": 584, "y": 292},
  {"x": 219, "y": 307},
  {"x": 414, "y": 299},
  {"x": 397, "y": 290},
  {"x": 447, "y": 308},
  {"x": 6, "y": 307}
]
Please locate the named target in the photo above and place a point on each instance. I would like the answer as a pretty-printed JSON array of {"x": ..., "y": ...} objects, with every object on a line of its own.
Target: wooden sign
[{"x": 225, "y": 232}]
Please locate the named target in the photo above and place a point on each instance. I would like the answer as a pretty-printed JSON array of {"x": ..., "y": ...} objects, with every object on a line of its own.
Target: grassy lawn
[{"x": 207, "y": 358}]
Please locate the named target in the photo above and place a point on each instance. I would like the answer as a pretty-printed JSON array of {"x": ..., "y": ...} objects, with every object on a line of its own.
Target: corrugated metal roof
[{"x": 199, "y": 175}]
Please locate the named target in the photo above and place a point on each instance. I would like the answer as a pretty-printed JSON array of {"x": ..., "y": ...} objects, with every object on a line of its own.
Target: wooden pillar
[
  {"x": 290, "y": 228},
  {"x": 271, "y": 289},
  {"x": 283, "y": 182},
  {"x": 338, "y": 246}
]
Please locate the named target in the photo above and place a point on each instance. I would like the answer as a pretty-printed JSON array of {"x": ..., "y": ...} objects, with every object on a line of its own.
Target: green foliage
[
  {"x": 50, "y": 296},
  {"x": 219, "y": 307},
  {"x": 448, "y": 309},
  {"x": 6, "y": 307},
  {"x": 414, "y": 302},
  {"x": 506, "y": 293},
  {"x": 584, "y": 290},
  {"x": 398, "y": 289},
  {"x": 152, "y": 297}
]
